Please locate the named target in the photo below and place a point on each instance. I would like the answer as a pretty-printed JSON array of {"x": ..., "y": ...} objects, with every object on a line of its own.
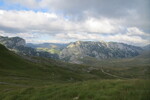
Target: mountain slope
[
  {"x": 74, "y": 51},
  {"x": 147, "y": 47},
  {"x": 135, "y": 67},
  {"x": 99, "y": 50},
  {"x": 14, "y": 66},
  {"x": 41, "y": 78},
  {"x": 18, "y": 45},
  {"x": 12, "y": 42}
]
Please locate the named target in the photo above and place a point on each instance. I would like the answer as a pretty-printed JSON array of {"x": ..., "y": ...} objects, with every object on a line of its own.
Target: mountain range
[
  {"x": 18, "y": 45},
  {"x": 100, "y": 50},
  {"x": 74, "y": 51},
  {"x": 117, "y": 77}
]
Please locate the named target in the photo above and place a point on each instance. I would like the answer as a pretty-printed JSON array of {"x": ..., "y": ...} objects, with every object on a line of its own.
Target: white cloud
[
  {"x": 129, "y": 38},
  {"x": 47, "y": 22},
  {"x": 30, "y": 21},
  {"x": 46, "y": 41},
  {"x": 102, "y": 25},
  {"x": 79, "y": 36},
  {"x": 30, "y": 24},
  {"x": 135, "y": 12},
  {"x": 23, "y": 35},
  {"x": 134, "y": 40},
  {"x": 136, "y": 31}
]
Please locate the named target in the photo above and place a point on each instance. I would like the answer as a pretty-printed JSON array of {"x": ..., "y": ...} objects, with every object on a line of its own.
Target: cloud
[
  {"x": 134, "y": 40},
  {"x": 26, "y": 20},
  {"x": 70, "y": 20},
  {"x": 105, "y": 7},
  {"x": 29, "y": 21},
  {"x": 132, "y": 36},
  {"x": 102, "y": 25},
  {"x": 77, "y": 10},
  {"x": 47, "y": 41},
  {"x": 136, "y": 31}
]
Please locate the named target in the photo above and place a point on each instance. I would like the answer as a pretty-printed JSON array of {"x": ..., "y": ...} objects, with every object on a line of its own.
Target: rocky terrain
[
  {"x": 12, "y": 42},
  {"x": 47, "y": 79},
  {"x": 100, "y": 50},
  {"x": 18, "y": 45},
  {"x": 74, "y": 51}
]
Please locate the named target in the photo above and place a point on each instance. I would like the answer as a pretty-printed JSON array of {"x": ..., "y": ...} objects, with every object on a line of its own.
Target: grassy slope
[
  {"x": 137, "y": 67},
  {"x": 14, "y": 67},
  {"x": 87, "y": 90},
  {"x": 50, "y": 50},
  {"x": 21, "y": 79}
]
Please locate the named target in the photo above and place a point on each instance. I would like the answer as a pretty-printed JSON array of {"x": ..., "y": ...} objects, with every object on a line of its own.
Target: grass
[
  {"x": 137, "y": 67},
  {"x": 41, "y": 78},
  {"x": 87, "y": 90},
  {"x": 12, "y": 65},
  {"x": 50, "y": 50}
]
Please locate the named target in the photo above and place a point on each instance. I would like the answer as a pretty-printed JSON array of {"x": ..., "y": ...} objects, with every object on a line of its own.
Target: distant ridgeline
[
  {"x": 18, "y": 45},
  {"x": 100, "y": 50},
  {"x": 74, "y": 51}
]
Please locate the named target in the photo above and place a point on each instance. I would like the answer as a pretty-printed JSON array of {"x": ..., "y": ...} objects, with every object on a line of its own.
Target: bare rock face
[
  {"x": 18, "y": 45},
  {"x": 12, "y": 42},
  {"x": 99, "y": 50},
  {"x": 147, "y": 47}
]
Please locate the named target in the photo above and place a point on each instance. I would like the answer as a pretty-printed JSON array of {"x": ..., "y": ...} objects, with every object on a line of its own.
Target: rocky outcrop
[
  {"x": 12, "y": 42},
  {"x": 147, "y": 47},
  {"x": 99, "y": 50},
  {"x": 75, "y": 50},
  {"x": 18, "y": 45}
]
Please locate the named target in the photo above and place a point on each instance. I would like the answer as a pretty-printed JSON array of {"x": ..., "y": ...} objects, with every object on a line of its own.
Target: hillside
[
  {"x": 14, "y": 66},
  {"x": 32, "y": 78},
  {"x": 147, "y": 47},
  {"x": 138, "y": 66}
]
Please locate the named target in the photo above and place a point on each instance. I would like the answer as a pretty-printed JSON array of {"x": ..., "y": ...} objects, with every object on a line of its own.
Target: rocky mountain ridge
[
  {"x": 100, "y": 50},
  {"x": 12, "y": 42},
  {"x": 18, "y": 45},
  {"x": 75, "y": 51}
]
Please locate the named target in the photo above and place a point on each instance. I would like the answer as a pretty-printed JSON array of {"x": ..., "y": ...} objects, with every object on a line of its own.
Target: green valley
[
  {"x": 74, "y": 50},
  {"x": 33, "y": 78},
  {"x": 50, "y": 50}
]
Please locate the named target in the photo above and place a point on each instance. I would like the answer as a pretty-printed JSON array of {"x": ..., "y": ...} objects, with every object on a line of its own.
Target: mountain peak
[
  {"x": 99, "y": 50},
  {"x": 12, "y": 42}
]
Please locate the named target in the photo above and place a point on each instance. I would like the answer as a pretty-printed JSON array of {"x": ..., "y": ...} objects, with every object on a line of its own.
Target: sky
[{"x": 64, "y": 21}]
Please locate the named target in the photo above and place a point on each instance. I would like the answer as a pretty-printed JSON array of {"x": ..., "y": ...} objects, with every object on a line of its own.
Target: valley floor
[
  {"x": 116, "y": 89},
  {"x": 47, "y": 79}
]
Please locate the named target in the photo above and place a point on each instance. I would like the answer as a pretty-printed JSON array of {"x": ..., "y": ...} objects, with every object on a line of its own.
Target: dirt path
[{"x": 112, "y": 74}]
